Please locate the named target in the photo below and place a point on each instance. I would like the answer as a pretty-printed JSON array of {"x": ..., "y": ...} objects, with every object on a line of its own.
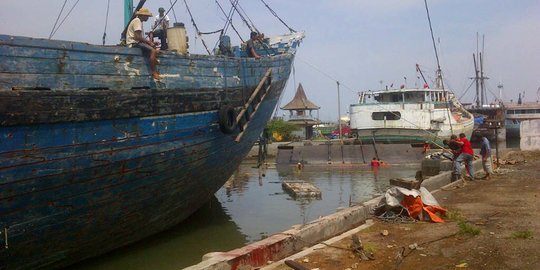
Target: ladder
[{"x": 252, "y": 105}]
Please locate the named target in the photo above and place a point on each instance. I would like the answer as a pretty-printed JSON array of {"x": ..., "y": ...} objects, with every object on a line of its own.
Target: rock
[{"x": 384, "y": 232}]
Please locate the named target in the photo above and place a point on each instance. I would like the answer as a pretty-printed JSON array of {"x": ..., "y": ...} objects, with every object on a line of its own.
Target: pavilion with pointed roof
[{"x": 300, "y": 113}]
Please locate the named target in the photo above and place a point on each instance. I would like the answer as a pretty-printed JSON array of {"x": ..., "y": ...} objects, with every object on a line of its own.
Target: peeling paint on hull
[{"x": 99, "y": 160}]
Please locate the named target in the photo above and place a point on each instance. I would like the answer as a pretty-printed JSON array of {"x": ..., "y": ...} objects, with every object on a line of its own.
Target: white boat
[{"x": 409, "y": 115}]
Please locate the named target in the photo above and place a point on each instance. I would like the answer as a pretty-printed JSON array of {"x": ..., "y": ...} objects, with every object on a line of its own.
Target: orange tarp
[{"x": 417, "y": 209}]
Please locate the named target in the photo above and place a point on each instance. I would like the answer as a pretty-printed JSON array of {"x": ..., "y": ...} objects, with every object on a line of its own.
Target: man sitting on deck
[
  {"x": 250, "y": 45},
  {"x": 135, "y": 38}
]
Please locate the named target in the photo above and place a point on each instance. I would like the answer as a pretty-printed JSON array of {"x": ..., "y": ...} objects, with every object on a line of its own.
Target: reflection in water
[
  {"x": 208, "y": 229},
  {"x": 251, "y": 206},
  {"x": 263, "y": 210}
]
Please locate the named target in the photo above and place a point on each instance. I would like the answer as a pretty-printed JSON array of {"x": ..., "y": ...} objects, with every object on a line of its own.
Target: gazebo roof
[{"x": 300, "y": 101}]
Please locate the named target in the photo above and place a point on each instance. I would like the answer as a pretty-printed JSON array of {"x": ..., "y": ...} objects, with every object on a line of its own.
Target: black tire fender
[{"x": 227, "y": 119}]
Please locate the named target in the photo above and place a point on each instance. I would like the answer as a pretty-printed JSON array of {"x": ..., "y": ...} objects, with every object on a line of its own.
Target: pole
[
  {"x": 128, "y": 11},
  {"x": 339, "y": 113},
  {"x": 497, "y": 143}
]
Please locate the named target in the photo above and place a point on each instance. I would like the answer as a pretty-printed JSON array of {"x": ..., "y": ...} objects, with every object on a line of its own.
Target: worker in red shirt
[
  {"x": 467, "y": 156},
  {"x": 375, "y": 164}
]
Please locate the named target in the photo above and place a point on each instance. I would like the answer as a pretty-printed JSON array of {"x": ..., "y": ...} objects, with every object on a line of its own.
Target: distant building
[{"x": 300, "y": 113}]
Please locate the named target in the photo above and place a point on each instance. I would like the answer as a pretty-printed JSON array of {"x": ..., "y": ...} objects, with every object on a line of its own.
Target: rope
[
  {"x": 228, "y": 21},
  {"x": 249, "y": 19},
  {"x": 62, "y": 22},
  {"x": 57, "y": 18},
  {"x": 174, "y": 12},
  {"x": 106, "y": 21},
  {"x": 439, "y": 73},
  {"x": 196, "y": 28},
  {"x": 209, "y": 33},
  {"x": 243, "y": 18},
  {"x": 234, "y": 28},
  {"x": 275, "y": 14}
]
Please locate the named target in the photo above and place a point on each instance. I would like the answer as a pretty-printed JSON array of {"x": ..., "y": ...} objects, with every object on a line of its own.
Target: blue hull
[{"x": 92, "y": 162}]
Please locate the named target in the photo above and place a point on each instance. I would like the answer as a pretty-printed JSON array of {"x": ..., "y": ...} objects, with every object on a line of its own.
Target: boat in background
[
  {"x": 95, "y": 154},
  {"x": 488, "y": 117},
  {"x": 518, "y": 112},
  {"x": 409, "y": 115}
]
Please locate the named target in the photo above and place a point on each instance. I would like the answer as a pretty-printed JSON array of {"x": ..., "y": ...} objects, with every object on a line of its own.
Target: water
[{"x": 250, "y": 207}]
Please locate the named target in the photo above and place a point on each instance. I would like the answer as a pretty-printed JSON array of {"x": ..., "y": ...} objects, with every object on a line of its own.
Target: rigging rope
[
  {"x": 62, "y": 22},
  {"x": 174, "y": 12},
  {"x": 252, "y": 29},
  {"x": 439, "y": 73},
  {"x": 57, "y": 18},
  {"x": 275, "y": 14},
  {"x": 228, "y": 21},
  {"x": 106, "y": 21},
  {"x": 249, "y": 19},
  {"x": 232, "y": 25},
  {"x": 196, "y": 28}
]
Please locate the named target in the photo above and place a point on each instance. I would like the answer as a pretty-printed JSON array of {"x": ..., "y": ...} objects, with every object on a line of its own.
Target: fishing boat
[
  {"x": 408, "y": 116},
  {"x": 96, "y": 154},
  {"x": 488, "y": 116}
]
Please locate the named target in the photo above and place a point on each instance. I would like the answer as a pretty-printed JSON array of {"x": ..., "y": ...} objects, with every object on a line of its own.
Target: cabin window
[{"x": 386, "y": 116}]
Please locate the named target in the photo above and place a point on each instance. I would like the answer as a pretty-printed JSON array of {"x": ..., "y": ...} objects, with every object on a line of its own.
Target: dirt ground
[{"x": 504, "y": 211}]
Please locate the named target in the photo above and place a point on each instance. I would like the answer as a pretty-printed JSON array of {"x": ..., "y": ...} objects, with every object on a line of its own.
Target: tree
[{"x": 281, "y": 130}]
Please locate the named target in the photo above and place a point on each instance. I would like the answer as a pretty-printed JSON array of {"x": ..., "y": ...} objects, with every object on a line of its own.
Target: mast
[
  {"x": 439, "y": 80},
  {"x": 128, "y": 11},
  {"x": 476, "y": 80},
  {"x": 479, "y": 78}
]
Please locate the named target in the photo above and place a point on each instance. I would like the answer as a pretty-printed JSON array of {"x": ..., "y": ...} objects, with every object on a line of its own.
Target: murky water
[{"x": 249, "y": 207}]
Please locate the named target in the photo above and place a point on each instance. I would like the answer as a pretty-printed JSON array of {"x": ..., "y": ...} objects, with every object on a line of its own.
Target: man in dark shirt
[
  {"x": 250, "y": 45},
  {"x": 455, "y": 147}
]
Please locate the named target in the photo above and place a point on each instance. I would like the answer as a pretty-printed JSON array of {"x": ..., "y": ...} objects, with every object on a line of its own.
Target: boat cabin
[{"x": 404, "y": 96}]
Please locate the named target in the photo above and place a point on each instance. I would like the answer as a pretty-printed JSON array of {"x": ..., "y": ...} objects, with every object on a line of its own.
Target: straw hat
[{"x": 144, "y": 12}]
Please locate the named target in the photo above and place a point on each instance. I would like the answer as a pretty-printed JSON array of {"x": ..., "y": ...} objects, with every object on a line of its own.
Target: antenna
[{"x": 501, "y": 87}]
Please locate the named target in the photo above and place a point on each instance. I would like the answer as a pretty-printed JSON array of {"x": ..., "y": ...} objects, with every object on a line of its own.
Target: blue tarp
[{"x": 478, "y": 120}]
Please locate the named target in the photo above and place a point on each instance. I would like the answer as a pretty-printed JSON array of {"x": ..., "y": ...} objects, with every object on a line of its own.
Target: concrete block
[{"x": 530, "y": 135}]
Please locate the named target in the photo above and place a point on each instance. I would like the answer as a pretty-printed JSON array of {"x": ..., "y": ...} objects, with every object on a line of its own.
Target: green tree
[{"x": 281, "y": 128}]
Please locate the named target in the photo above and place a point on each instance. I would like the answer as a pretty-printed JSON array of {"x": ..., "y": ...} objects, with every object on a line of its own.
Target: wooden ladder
[{"x": 252, "y": 105}]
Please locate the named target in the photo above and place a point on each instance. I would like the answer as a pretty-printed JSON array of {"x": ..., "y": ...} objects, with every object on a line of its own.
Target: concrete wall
[
  {"x": 335, "y": 152},
  {"x": 530, "y": 135}
]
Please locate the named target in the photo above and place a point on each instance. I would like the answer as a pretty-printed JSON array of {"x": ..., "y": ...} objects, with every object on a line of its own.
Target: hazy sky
[{"x": 357, "y": 42}]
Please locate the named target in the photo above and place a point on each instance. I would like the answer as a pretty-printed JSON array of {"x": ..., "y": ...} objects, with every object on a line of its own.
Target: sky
[{"x": 363, "y": 44}]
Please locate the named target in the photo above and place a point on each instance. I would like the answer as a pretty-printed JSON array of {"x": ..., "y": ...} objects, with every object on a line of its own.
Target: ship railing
[{"x": 252, "y": 105}]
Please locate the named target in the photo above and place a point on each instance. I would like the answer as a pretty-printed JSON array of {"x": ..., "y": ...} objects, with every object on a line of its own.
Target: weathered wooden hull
[{"x": 89, "y": 162}]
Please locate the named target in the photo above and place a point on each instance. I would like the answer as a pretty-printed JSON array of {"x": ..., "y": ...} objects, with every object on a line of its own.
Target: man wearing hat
[
  {"x": 135, "y": 38},
  {"x": 161, "y": 23}
]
